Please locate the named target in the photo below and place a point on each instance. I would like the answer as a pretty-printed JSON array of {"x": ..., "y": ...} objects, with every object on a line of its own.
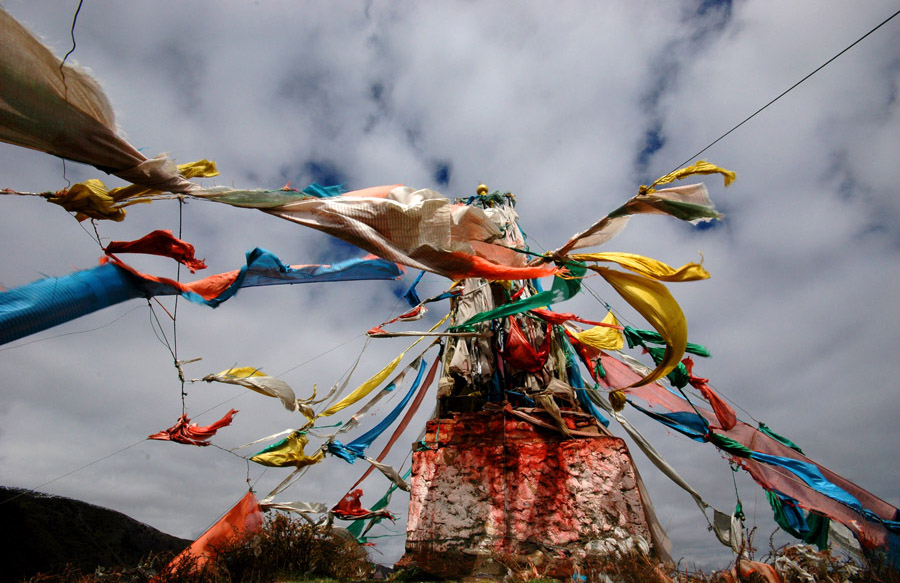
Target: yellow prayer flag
[
  {"x": 654, "y": 302},
  {"x": 617, "y": 399},
  {"x": 364, "y": 389},
  {"x": 367, "y": 387},
  {"x": 242, "y": 372},
  {"x": 92, "y": 199},
  {"x": 199, "y": 169},
  {"x": 700, "y": 167},
  {"x": 89, "y": 200},
  {"x": 288, "y": 452},
  {"x": 603, "y": 337},
  {"x": 648, "y": 266}
]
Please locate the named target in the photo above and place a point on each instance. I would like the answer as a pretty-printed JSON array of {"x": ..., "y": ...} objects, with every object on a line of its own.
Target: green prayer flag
[
  {"x": 563, "y": 288},
  {"x": 779, "y": 438},
  {"x": 729, "y": 445},
  {"x": 817, "y": 525},
  {"x": 637, "y": 337},
  {"x": 679, "y": 376}
]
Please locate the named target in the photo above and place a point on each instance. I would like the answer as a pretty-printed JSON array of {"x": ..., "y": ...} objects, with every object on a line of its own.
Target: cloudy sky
[{"x": 570, "y": 108}]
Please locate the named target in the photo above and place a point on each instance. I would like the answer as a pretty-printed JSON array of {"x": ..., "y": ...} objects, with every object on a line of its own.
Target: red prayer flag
[
  {"x": 190, "y": 433},
  {"x": 519, "y": 351},
  {"x": 350, "y": 508},
  {"x": 161, "y": 243},
  {"x": 724, "y": 413}
]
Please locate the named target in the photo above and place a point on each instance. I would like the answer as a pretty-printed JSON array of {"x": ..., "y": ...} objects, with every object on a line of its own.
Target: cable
[
  {"x": 320, "y": 355},
  {"x": 785, "y": 92},
  {"x": 158, "y": 329},
  {"x": 34, "y": 490},
  {"x": 295, "y": 367},
  {"x": 259, "y": 477},
  {"x": 110, "y": 323},
  {"x": 96, "y": 236},
  {"x": 733, "y": 402},
  {"x": 284, "y": 372}
]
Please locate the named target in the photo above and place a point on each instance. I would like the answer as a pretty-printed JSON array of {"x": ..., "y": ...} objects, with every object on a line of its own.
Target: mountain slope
[{"x": 39, "y": 532}]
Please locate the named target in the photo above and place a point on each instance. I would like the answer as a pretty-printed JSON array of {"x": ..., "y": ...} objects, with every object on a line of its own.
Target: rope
[
  {"x": 72, "y": 34},
  {"x": 96, "y": 236},
  {"x": 175, "y": 315},
  {"x": 246, "y": 460},
  {"x": 62, "y": 74}
]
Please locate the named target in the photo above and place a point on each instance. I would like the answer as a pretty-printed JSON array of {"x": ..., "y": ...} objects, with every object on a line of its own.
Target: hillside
[{"x": 40, "y": 532}]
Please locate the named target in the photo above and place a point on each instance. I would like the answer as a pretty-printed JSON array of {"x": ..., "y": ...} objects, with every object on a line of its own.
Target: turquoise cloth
[
  {"x": 357, "y": 447},
  {"x": 54, "y": 300}
]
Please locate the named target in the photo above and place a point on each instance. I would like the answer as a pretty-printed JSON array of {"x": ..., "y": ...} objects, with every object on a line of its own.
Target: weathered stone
[{"x": 492, "y": 489}]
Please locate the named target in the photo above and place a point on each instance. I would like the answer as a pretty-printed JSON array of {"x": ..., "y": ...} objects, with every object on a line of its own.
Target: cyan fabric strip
[
  {"x": 317, "y": 190},
  {"x": 264, "y": 268},
  {"x": 577, "y": 382},
  {"x": 357, "y": 447},
  {"x": 365, "y": 440},
  {"x": 52, "y": 301},
  {"x": 689, "y": 424},
  {"x": 812, "y": 476},
  {"x": 410, "y": 295}
]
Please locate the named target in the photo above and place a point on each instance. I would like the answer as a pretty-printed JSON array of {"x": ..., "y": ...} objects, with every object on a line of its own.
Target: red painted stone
[{"x": 492, "y": 489}]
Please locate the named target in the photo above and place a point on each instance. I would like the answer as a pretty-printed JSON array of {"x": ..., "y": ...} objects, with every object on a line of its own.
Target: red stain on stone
[{"x": 492, "y": 488}]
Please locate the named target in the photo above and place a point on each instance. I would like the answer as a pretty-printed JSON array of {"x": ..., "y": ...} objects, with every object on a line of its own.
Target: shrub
[{"x": 291, "y": 548}]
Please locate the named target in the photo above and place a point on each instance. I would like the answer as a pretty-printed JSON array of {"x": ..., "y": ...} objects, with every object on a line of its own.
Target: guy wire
[{"x": 786, "y": 91}]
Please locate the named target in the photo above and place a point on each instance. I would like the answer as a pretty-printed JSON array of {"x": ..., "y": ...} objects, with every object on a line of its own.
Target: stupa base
[{"x": 493, "y": 495}]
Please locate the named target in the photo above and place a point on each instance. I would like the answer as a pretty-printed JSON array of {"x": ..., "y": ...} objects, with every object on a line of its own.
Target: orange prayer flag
[{"x": 243, "y": 519}]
